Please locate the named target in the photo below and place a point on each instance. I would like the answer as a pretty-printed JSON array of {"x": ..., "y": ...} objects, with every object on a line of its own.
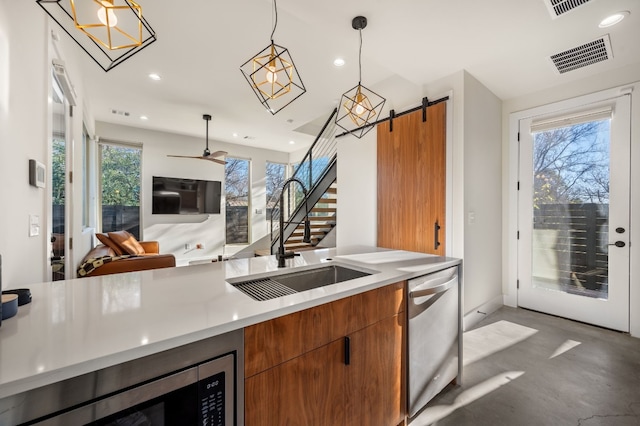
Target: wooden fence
[{"x": 580, "y": 242}]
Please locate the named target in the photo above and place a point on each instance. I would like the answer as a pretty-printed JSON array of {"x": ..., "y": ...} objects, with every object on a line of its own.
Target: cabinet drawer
[{"x": 273, "y": 342}]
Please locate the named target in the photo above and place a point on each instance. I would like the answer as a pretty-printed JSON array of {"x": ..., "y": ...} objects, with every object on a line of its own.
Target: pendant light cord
[
  {"x": 275, "y": 24},
  {"x": 359, "y": 59}
]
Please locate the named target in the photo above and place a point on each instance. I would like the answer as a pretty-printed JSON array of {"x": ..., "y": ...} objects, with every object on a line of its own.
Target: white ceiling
[{"x": 407, "y": 44}]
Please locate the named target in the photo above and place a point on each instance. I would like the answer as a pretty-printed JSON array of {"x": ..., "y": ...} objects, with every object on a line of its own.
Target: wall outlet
[{"x": 187, "y": 246}]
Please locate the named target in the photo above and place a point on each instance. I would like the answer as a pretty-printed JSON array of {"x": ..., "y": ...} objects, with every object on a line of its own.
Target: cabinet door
[
  {"x": 307, "y": 390},
  {"x": 412, "y": 181},
  {"x": 375, "y": 375}
]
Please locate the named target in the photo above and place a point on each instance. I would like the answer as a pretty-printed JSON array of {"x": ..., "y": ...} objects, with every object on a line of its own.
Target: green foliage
[
  {"x": 120, "y": 175},
  {"x": 58, "y": 170}
]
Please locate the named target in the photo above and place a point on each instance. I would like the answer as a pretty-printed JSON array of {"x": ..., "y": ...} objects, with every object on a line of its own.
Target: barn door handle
[{"x": 436, "y": 235}]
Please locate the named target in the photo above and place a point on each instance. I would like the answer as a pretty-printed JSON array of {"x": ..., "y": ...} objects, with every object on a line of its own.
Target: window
[
  {"x": 236, "y": 186},
  {"x": 120, "y": 167},
  {"x": 276, "y": 174}
]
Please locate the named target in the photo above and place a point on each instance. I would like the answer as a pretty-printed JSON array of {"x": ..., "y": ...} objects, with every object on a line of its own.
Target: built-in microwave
[
  {"x": 200, "y": 383},
  {"x": 200, "y": 395}
]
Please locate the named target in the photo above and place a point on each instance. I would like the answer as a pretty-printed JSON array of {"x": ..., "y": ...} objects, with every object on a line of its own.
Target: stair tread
[
  {"x": 297, "y": 246},
  {"x": 299, "y": 232}
]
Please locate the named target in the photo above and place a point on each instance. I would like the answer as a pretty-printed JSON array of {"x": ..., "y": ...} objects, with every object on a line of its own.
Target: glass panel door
[
  {"x": 58, "y": 181},
  {"x": 574, "y": 215}
]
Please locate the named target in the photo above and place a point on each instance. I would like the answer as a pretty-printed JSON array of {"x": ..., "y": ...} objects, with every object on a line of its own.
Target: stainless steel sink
[{"x": 282, "y": 285}]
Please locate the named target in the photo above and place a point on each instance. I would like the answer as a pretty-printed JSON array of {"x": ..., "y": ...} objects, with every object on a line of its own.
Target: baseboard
[
  {"x": 510, "y": 300},
  {"x": 478, "y": 314}
]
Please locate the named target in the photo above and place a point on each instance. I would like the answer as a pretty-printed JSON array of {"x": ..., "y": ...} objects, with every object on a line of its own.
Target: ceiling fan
[{"x": 207, "y": 155}]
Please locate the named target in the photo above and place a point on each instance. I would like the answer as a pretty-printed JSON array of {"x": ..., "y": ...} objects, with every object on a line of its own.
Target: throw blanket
[{"x": 91, "y": 264}]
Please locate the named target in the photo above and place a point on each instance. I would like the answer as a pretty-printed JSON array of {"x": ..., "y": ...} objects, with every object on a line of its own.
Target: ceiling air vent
[
  {"x": 581, "y": 56},
  {"x": 558, "y": 8}
]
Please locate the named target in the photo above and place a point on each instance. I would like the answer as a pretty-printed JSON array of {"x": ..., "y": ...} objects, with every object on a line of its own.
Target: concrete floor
[{"x": 526, "y": 368}]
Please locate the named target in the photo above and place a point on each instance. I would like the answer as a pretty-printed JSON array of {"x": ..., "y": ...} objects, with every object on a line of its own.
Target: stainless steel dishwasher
[{"x": 434, "y": 344}]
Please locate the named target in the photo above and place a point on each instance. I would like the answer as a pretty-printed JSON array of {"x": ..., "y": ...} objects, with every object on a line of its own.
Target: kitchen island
[{"x": 79, "y": 326}]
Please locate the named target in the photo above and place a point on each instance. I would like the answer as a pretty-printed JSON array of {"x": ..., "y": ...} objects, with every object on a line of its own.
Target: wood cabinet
[
  {"x": 338, "y": 363},
  {"x": 412, "y": 181}
]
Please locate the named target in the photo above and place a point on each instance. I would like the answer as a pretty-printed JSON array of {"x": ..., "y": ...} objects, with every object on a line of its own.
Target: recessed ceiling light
[
  {"x": 292, "y": 142},
  {"x": 144, "y": 117},
  {"x": 235, "y": 135},
  {"x": 155, "y": 77},
  {"x": 613, "y": 19},
  {"x": 338, "y": 62}
]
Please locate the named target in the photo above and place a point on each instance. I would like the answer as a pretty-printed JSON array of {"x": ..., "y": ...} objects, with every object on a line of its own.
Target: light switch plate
[
  {"x": 34, "y": 225},
  {"x": 472, "y": 217}
]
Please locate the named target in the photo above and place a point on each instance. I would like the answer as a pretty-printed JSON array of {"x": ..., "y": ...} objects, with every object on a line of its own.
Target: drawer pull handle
[{"x": 347, "y": 350}]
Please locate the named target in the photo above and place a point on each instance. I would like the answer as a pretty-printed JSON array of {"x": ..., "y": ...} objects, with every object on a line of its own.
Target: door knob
[
  {"x": 620, "y": 230},
  {"x": 618, "y": 244}
]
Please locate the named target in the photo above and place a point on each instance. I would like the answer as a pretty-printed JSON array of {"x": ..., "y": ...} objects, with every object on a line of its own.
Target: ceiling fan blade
[
  {"x": 219, "y": 154},
  {"x": 185, "y": 156},
  {"x": 215, "y": 160}
]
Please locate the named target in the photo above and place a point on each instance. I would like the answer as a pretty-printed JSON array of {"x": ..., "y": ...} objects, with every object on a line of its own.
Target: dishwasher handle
[{"x": 441, "y": 286}]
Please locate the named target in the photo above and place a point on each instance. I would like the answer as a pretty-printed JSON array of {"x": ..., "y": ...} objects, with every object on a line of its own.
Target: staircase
[
  {"x": 318, "y": 172},
  {"x": 322, "y": 218}
]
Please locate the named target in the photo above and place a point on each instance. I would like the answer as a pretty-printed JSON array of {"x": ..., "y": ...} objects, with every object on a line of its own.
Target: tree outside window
[
  {"x": 276, "y": 174},
  {"x": 120, "y": 184},
  {"x": 237, "y": 183},
  {"x": 571, "y": 164}
]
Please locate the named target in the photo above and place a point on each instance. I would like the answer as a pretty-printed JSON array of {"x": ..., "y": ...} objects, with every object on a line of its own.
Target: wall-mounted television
[{"x": 185, "y": 196}]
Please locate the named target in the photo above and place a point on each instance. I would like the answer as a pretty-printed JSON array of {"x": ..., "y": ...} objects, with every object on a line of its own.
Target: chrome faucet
[{"x": 282, "y": 255}]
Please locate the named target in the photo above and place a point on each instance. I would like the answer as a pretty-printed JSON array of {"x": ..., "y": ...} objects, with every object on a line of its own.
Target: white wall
[
  {"x": 357, "y": 190},
  {"x": 624, "y": 77},
  {"x": 173, "y": 232},
  {"x": 23, "y": 135},
  {"x": 482, "y": 195}
]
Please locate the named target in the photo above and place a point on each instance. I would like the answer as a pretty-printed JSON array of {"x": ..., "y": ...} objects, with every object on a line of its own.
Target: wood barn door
[{"x": 412, "y": 181}]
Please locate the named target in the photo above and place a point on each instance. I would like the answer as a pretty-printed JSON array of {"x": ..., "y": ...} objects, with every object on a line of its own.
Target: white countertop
[{"x": 77, "y": 326}]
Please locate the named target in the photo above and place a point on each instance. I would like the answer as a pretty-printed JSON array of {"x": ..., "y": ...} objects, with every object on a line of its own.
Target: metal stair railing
[{"x": 312, "y": 170}]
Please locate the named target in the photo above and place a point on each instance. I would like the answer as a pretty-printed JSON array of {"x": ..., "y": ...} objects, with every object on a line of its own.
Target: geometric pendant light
[
  {"x": 109, "y": 31},
  {"x": 273, "y": 76},
  {"x": 359, "y": 106}
]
